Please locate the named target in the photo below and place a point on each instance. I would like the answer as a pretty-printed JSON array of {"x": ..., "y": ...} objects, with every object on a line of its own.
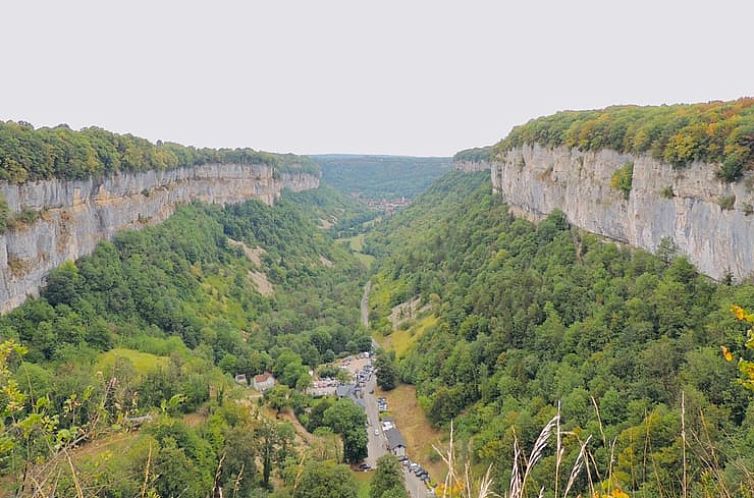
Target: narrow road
[
  {"x": 365, "y": 304},
  {"x": 414, "y": 485},
  {"x": 377, "y": 442}
]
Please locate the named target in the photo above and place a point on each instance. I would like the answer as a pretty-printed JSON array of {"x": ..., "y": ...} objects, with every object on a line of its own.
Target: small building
[
  {"x": 350, "y": 391},
  {"x": 387, "y": 424},
  {"x": 263, "y": 381},
  {"x": 345, "y": 390},
  {"x": 241, "y": 379},
  {"x": 395, "y": 442}
]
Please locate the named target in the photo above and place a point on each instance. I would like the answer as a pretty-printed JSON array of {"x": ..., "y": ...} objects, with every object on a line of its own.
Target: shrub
[
  {"x": 667, "y": 192},
  {"x": 22, "y": 219},
  {"x": 18, "y": 266},
  {"x": 727, "y": 202},
  {"x": 4, "y": 212},
  {"x": 622, "y": 179},
  {"x": 732, "y": 168}
]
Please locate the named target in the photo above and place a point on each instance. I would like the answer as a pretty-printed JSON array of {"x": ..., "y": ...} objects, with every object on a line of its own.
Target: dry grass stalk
[
  {"x": 74, "y": 476},
  {"x": 216, "y": 488},
  {"x": 514, "y": 489},
  {"x": 538, "y": 450},
  {"x": 684, "y": 483},
  {"x": 464, "y": 484},
  {"x": 146, "y": 472},
  {"x": 558, "y": 452},
  {"x": 237, "y": 482},
  {"x": 577, "y": 466}
]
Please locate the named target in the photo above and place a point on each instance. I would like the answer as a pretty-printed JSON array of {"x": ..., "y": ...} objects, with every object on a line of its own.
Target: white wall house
[{"x": 263, "y": 381}]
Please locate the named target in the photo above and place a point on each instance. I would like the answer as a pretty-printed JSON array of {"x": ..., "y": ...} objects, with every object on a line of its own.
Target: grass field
[
  {"x": 401, "y": 341},
  {"x": 356, "y": 244},
  {"x": 415, "y": 428},
  {"x": 142, "y": 362},
  {"x": 363, "y": 479}
]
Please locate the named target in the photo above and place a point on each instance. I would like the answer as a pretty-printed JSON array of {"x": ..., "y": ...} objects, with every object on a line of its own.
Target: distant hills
[{"x": 382, "y": 177}]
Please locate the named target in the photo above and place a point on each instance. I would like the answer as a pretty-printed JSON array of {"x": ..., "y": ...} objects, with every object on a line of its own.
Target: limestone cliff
[
  {"x": 467, "y": 166},
  {"x": 76, "y": 215},
  {"x": 707, "y": 220}
]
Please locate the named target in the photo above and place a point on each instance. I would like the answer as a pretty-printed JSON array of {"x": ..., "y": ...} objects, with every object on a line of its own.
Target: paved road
[
  {"x": 377, "y": 445},
  {"x": 415, "y": 486},
  {"x": 365, "y": 304}
]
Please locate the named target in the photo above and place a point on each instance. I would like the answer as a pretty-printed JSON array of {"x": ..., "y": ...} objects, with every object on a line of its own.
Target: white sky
[{"x": 389, "y": 76}]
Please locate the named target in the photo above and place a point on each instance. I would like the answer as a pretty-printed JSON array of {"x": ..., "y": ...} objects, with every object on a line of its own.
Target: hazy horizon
[{"x": 426, "y": 78}]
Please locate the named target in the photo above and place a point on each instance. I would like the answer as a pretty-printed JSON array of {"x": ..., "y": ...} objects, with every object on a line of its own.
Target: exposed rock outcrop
[
  {"x": 472, "y": 166},
  {"x": 707, "y": 220},
  {"x": 76, "y": 215}
]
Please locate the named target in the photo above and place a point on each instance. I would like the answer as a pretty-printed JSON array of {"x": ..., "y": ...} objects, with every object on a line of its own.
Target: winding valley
[{"x": 223, "y": 320}]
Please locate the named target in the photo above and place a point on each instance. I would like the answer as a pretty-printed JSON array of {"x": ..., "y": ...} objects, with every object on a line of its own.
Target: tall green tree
[
  {"x": 347, "y": 419},
  {"x": 388, "y": 479},
  {"x": 325, "y": 480},
  {"x": 387, "y": 372}
]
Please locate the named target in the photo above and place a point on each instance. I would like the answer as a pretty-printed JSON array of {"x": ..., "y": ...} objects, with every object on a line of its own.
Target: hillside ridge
[
  {"x": 55, "y": 220},
  {"x": 661, "y": 178}
]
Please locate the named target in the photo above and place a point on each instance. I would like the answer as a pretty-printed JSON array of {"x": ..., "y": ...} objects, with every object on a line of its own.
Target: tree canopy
[
  {"x": 716, "y": 132},
  {"x": 29, "y": 154},
  {"x": 532, "y": 317}
]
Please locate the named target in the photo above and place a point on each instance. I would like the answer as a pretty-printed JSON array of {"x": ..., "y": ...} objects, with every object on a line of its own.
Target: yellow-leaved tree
[{"x": 745, "y": 367}]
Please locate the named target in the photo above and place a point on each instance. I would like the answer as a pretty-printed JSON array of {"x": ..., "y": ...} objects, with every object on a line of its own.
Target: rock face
[
  {"x": 705, "y": 219},
  {"x": 472, "y": 166},
  {"x": 76, "y": 215}
]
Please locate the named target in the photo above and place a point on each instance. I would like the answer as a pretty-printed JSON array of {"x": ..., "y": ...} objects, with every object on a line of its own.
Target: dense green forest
[
  {"x": 118, "y": 379},
  {"x": 382, "y": 177},
  {"x": 343, "y": 215},
  {"x": 29, "y": 154},
  {"x": 154, "y": 324},
  {"x": 716, "y": 132},
  {"x": 533, "y": 317},
  {"x": 477, "y": 154}
]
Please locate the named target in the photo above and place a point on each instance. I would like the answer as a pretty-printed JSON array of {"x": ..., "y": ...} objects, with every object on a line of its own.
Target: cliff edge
[
  {"x": 58, "y": 220},
  {"x": 690, "y": 209}
]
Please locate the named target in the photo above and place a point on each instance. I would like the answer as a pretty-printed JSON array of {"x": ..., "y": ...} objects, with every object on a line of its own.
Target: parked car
[{"x": 376, "y": 432}]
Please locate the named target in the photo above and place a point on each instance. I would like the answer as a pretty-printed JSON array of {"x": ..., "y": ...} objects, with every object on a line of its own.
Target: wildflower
[
  {"x": 738, "y": 312},
  {"x": 726, "y": 353}
]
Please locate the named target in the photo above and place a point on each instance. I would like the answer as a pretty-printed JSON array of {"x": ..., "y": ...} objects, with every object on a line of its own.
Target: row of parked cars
[
  {"x": 416, "y": 469},
  {"x": 363, "y": 376}
]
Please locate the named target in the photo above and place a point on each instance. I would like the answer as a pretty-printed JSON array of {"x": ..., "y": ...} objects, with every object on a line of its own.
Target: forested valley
[
  {"x": 518, "y": 325},
  {"x": 119, "y": 379},
  {"x": 382, "y": 177}
]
